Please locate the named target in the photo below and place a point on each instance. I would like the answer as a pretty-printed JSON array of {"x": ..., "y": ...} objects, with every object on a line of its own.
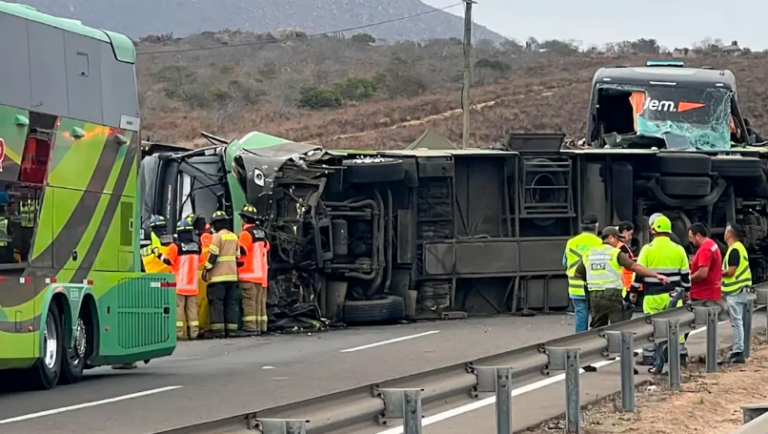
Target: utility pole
[{"x": 465, "y": 103}]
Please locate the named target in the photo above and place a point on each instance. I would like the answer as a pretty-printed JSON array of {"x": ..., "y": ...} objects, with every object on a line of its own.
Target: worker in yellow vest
[
  {"x": 736, "y": 283},
  {"x": 575, "y": 249},
  {"x": 149, "y": 254}
]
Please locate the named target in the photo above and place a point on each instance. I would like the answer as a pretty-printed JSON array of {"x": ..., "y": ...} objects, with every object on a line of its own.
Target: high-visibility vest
[
  {"x": 255, "y": 268},
  {"x": 627, "y": 276},
  {"x": 4, "y": 238},
  {"x": 153, "y": 264},
  {"x": 205, "y": 243},
  {"x": 185, "y": 268},
  {"x": 743, "y": 276},
  {"x": 664, "y": 256},
  {"x": 28, "y": 213},
  {"x": 603, "y": 268},
  {"x": 574, "y": 252}
]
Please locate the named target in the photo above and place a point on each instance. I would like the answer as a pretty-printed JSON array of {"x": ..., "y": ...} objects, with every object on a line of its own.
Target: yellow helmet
[
  {"x": 249, "y": 211},
  {"x": 662, "y": 225},
  {"x": 219, "y": 216}
]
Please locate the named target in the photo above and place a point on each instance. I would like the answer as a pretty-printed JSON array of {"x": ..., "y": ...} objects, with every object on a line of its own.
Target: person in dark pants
[{"x": 221, "y": 274}]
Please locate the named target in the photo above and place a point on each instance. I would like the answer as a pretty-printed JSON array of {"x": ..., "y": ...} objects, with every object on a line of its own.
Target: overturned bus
[{"x": 366, "y": 237}]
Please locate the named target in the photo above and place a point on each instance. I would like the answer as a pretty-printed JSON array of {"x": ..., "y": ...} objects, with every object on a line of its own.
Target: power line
[{"x": 255, "y": 43}]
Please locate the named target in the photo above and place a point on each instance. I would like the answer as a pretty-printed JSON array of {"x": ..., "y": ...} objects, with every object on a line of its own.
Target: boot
[
  {"x": 737, "y": 358},
  {"x": 250, "y": 333},
  {"x": 208, "y": 335},
  {"x": 238, "y": 334}
]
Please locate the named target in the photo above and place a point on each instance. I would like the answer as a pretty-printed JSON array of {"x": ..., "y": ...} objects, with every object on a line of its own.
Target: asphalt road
[{"x": 204, "y": 381}]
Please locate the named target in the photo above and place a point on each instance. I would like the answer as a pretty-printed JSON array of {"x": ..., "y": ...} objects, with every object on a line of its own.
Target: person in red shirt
[{"x": 706, "y": 266}]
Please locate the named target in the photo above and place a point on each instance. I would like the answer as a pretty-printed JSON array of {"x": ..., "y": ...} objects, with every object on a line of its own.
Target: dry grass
[{"x": 540, "y": 92}]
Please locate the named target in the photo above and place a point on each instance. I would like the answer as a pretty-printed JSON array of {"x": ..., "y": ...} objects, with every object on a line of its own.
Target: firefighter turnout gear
[
  {"x": 253, "y": 273},
  {"x": 575, "y": 250},
  {"x": 743, "y": 277},
  {"x": 183, "y": 256},
  {"x": 221, "y": 274}
]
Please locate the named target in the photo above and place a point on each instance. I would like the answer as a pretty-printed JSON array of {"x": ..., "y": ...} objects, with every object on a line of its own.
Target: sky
[{"x": 674, "y": 23}]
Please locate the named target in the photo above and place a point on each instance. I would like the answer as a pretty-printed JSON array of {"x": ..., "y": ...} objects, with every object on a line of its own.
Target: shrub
[
  {"x": 356, "y": 89},
  {"x": 363, "y": 38},
  {"x": 313, "y": 97}
]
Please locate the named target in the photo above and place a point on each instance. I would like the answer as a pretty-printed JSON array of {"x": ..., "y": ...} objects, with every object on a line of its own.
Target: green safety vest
[
  {"x": 743, "y": 276},
  {"x": 603, "y": 269},
  {"x": 575, "y": 250},
  {"x": 28, "y": 209},
  {"x": 663, "y": 256},
  {"x": 4, "y": 238}
]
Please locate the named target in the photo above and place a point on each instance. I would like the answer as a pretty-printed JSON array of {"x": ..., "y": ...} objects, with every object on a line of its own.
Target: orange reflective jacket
[
  {"x": 255, "y": 268},
  {"x": 184, "y": 258},
  {"x": 205, "y": 243},
  {"x": 627, "y": 276}
]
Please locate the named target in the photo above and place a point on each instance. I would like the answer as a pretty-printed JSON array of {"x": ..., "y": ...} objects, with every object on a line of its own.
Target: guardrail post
[
  {"x": 748, "y": 328},
  {"x": 283, "y": 426},
  {"x": 623, "y": 343},
  {"x": 712, "y": 339},
  {"x": 572, "y": 402},
  {"x": 497, "y": 380},
  {"x": 404, "y": 404},
  {"x": 673, "y": 353}
]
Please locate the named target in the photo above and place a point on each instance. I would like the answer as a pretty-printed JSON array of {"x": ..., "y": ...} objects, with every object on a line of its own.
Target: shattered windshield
[{"x": 684, "y": 117}]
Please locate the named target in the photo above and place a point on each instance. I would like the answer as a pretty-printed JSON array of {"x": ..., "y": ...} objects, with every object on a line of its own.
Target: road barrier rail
[{"x": 398, "y": 404}]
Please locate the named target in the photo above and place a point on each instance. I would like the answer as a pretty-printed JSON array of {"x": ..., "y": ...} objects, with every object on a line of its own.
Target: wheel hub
[{"x": 80, "y": 341}]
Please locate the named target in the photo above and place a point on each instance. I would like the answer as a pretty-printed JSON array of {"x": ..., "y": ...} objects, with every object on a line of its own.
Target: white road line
[
  {"x": 391, "y": 341},
  {"x": 515, "y": 392},
  {"x": 87, "y": 404}
]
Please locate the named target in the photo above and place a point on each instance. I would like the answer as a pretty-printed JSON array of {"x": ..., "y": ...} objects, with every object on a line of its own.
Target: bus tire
[
  {"x": 73, "y": 360},
  {"x": 45, "y": 374},
  {"x": 685, "y": 186},
  {"x": 678, "y": 163}
]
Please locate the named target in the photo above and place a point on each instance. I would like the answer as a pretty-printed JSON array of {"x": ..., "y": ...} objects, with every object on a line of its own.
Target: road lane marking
[
  {"x": 88, "y": 404},
  {"x": 439, "y": 417},
  {"x": 391, "y": 341}
]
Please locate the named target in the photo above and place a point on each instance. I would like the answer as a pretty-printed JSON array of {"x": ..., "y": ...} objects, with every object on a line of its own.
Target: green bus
[{"x": 72, "y": 294}]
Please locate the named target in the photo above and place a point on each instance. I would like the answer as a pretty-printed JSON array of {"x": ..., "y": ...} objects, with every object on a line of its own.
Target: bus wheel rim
[
  {"x": 51, "y": 343},
  {"x": 80, "y": 341}
]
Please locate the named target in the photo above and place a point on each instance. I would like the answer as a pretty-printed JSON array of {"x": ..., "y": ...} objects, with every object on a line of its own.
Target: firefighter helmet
[
  {"x": 157, "y": 221},
  {"x": 249, "y": 211}
]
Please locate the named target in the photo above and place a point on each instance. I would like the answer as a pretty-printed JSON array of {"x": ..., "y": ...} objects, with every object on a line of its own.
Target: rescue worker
[
  {"x": 204, "y": 236},
  {"x": 626, "y": 231},
  {"x": 667, "y": 258},
  {"x": 737, "y": 282},
  {"x": 221, "y": 275},
  {"x": 159, "y": 245},
  {"x": 6, "y": 246},
  {"x": 675, "y": 239},
  {"x": 252, "y": 272},
  {"x": 575, "y": 249},
  {"x": 183, "y": 256},
  {"x": 602, "y": 266}
]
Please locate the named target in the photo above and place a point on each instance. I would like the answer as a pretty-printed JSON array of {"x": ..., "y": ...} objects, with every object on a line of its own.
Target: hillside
[
  {"x": 185, "y": 17},
  {"x": 382, "y": 96}
]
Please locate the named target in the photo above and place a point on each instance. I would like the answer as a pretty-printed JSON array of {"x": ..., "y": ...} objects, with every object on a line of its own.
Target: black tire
[
  {"x": 683, "y": 164},
  {"x": 74, "y": 360},
  {"x": 385, "y": 310},
  {"x": 373, "y": 169},
  {"x": 42, "y": 376},
  {"x": 685, "y": 186},
  {"x": 737, "y": 167}
]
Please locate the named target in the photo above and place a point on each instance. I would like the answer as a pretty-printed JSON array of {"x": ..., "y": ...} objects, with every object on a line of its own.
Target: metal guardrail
[
  {"x": 755, "y": 419},
  {"x": 405, "y": 398}
]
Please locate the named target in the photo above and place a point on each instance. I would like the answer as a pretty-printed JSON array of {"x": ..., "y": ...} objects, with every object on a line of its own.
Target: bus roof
[
  {"x": 644, "y": 75},
  {"x": 122, "y": 45}
]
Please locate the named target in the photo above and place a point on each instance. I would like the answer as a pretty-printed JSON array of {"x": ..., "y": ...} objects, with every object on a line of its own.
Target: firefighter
[
  {"x": 221, "y": 275},
  {"x": 602, "y": 266},
  {"x": 252, "y": 272},
  {"x": 183, "y": 256},
  {"x": 574, "y": 252},
  {"x": 737, "y": 282},
  {"x": 149, "y": 254},
  {"x": 668, "y": 258}
]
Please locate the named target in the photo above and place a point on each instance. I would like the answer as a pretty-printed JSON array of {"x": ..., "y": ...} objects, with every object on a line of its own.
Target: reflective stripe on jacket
[
  {"x": 743, "y": 276},
  {"x": 255, "y": 267},
  {"x": 665, "y": 257},
  {"x": 184, "y": 257},
  {"x": 226, "y": 248},
  {"x": 627, "y": 276},
  {"x": 574, "y": 251},
  {"x": 4, "y": 238},
  {"x": 603, "y": 268}
]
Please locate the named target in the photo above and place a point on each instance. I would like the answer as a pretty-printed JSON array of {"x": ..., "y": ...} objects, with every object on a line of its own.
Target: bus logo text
[{"x": 670, "y": 106}]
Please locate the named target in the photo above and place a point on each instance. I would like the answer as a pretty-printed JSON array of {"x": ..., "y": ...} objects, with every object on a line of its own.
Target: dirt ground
[{"x": 707, "y": 404}]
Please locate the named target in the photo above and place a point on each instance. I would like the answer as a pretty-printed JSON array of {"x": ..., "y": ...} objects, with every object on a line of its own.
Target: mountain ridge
[{"x": 139, "y": 18}]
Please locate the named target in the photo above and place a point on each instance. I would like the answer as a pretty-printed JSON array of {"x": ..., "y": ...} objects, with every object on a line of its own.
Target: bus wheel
[
  {"x": 45, "y": 374},
  {"x": 73, "y": 361}
]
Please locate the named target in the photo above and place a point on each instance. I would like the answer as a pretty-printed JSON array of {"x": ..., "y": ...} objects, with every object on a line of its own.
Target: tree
[{"x": 560, "y": 47}]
